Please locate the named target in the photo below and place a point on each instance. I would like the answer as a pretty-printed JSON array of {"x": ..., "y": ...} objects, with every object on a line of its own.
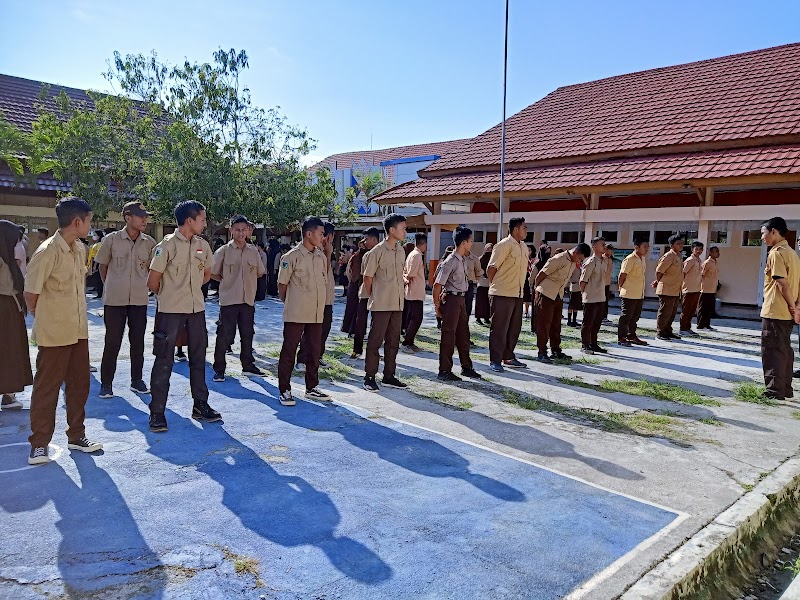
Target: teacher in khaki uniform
[
  {"x": 692, "y": 282},
  {"x": 237, "y": 267},
  {"x": 631, "y": 292},
  {"x": 385, "y": 287},
  {"x": 302, "y": 286},
  {"x": 181, "y": 266},
  {"x": 669, "y": 279},
  {"x": 124, "y": 259},
  {"x": 55, "y": 293},
  {"x": 780, "y": 310},
  {"x": 507, "y": 271}
]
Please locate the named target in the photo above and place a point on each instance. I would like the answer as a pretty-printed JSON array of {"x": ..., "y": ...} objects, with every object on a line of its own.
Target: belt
[{"x": 449, "y": 293}]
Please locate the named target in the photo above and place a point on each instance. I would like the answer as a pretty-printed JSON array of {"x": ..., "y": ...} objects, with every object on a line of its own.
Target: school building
[{"x": 708, "y": 149}]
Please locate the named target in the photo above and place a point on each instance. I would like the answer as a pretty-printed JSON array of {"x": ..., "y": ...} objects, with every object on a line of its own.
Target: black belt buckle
[{"x": 456, "y": 293}]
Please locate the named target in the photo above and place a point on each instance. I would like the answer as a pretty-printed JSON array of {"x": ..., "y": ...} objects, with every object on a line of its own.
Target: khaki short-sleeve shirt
[
  {"x": 710, "y": 276},
  {"x": 385, "y": 264},
  {"x": 183, "y": 263},
  {"x": 415, "y": 272},
  {"x": 692, "y": 277},
  {"x": 559, "y": 269},
  {"x": 510, "y": 258},
  {"x": 304, "y": 273},
  {"x": 128, "y": 264},
  {"x": 452, "y": 275},
  {"x": 240, "y": 270},
  {"x": 330, "y": 288},
  {"x": 671, "y": 266},
  {"x": 635, "y": 269},
  {"x": 593, "y": 274},
  {"x": 472, "y": 264},
  {"x": 782, "y": 262},
  {"x": 57, "y": 273}
]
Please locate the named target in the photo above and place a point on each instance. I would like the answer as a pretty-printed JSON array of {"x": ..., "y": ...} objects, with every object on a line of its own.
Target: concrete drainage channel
[{"x": 726, "y": 557}]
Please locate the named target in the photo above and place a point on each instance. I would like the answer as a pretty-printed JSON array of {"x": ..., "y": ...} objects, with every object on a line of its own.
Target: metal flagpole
[{"x": 503, "y": 135}]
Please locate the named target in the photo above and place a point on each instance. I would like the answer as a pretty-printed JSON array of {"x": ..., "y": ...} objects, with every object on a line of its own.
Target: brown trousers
[
  {"x": 777, "y": 356},
  {"x": 385, "y": 331},
  {"x": 629, "y": 315},
  {"x": 56, "y": 365},
  {"x": 548, "y": 323},
  {"x": 707, "y": 302},
  {"x": 506, "y": 324},
  {"x": 688, "y": 309},
  {"x": 667, "y": 309},
  {"x": 414, "y": 316},
  {"x": 592, "y": 318},
  {"x": 455, "y": 334},
  {"x": 362, "y": 316},
  {"x": 292, "y": 333},
  {"x": 303, "y": 355}
]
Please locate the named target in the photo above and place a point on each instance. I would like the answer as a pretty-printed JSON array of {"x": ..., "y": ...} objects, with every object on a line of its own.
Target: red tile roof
[
  {"x": 732, "y": 99},
  {"x": 684, "y": 167}
]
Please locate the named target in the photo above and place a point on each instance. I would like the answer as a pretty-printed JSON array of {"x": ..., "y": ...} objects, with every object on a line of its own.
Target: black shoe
[
  {"x": 675, "y": 336},
  {"x": 599, "y": 349},
  {"x": 543, "y": 358},
  {"x": 158, "y": 422},
  {"x": 371, "y": 385},
  {"x": 180, "y": 356},
  {"x": 201, "y": 411},
  {"x": 560, "y": 355},
  {"x": 796, "y": 374},
  {"x": 84, "y": 445},
  {"x": 140, "y": 387},
  {"x": 105, "y": 392},
  {"x": 471, "y": 373},
  {"x": 394, "y": 382},
  {"x": 38, "y": 456},
  {"x": 219, "y": 376},
  {"x": 254, "y": 370},
  {"x": 446, "y": 376}
]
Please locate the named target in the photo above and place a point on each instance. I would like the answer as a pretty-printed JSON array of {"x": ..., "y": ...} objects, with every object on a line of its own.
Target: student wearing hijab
[{"x": 15, "y": 369}]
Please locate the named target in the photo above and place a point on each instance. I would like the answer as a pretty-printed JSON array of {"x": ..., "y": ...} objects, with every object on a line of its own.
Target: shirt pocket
[
  {"x": 142, "y": 258},
  {"x": 302, "y": 277},
  {"x": 63, "y": 280},
  {"x": 178, "y": 266},
  {"x": 121, "y": 262}
]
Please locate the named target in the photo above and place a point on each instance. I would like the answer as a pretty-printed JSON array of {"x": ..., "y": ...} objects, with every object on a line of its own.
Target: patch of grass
[
  {"x": 464, "y": 405},
  {"x": 796, "y": 414},
  {"x": 747, "y": 487},
  {"x": 424, "y": 388},
  {"x": 644, "y": 387},
  {"x": 750, "y": 391},
  {"x": 244, "y": 565},
  {"x": 712, "y": 421}
]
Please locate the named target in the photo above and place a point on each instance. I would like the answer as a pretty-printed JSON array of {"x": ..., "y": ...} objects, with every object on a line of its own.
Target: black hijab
[{"x": 9, "y": 237}]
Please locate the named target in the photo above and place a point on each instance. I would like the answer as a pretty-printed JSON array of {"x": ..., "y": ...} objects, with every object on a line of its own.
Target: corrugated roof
[
  {"x": 732, "y": 99},
  {"x": 347, "y": 160}
]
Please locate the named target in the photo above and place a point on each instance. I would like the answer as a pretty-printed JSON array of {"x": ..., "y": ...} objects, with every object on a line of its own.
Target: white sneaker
[
  {"x": 317, "y": 394},
  {"x": 300, "y": 368},
  {"x": 85, "y": 445},
  {"x": 286, "y": 398}
]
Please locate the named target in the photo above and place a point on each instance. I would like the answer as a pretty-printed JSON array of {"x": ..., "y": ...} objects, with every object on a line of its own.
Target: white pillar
[
  {"x": 434, "y": 249},
  {"x": 704, "y": 233},
  {"x": 588, "y": 232},
  {"x": 159, "y": 232}
]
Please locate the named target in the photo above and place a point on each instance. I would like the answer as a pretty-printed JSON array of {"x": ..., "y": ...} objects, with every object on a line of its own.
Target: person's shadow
[
  {"x": 102, "y": 553},
  {"x": 283, "y": 509}
]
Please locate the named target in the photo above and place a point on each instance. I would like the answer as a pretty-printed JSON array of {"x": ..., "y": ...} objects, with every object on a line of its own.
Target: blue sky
[{"x": 403, "y": 72}]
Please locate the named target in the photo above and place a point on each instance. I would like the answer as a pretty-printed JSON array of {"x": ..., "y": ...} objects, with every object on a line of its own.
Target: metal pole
[{"x": 503, "y": 135}]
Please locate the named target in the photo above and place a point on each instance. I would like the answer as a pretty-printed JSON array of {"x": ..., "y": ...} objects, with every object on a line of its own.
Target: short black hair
[
  {"x": 710, "y": 250},
  {"x": 44, "y": 230},
  {"x": 697, "y": 244},
  {"x": 674, "y": 239},
  {"x": 311, "y": 223},
  {"x": 609, "y": 246},
  {"x": 638, "y": 241},
  {"x": 329, "y": 228},
  {"x": 392, "y": 220},
  {"x": 420, "y": 238},
  {"x": 372, "y": 232},
  {"x": 777, "y": 223},
  {"x": 514, "y": 223},
  {"x": 70, "y": 208},
  {"x": 598, "y": 239},
  {"x": 461, "y": 234},
  {"x": 236, "y": 219},
  {"x": 583, "y": 249},
  {"x": 188, "y": 209}
]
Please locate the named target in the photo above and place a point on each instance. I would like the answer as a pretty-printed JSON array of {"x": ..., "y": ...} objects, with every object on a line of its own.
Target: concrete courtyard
[{"x": 542, "y": 483}]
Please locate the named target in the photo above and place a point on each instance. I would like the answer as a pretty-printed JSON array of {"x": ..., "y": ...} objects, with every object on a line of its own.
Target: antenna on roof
[{"x": 503, "y": 134}]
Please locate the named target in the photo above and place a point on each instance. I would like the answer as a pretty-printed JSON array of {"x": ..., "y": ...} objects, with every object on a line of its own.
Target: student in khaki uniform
[
  {"x": 449, "y": 291},
  {"x": 55, "y": 293},
  {"x": 414, "y": 278},
  {"x": 593, "y": 291},
  {"x": 302, "y": 286},
  {"x": 372, "y": 238},
  {"x": 507, "y": 271},
  {"x": 237, "y": 267},
  {"x": 609, "y": 254},
  {"x": 631, "y": 292},
  {"x": 708, "y": 289},
  {"x": 384, "y": 285},
  {"x": 124, "y": 258},
  {"x": 669, "y": 279},
  {"x": 575, "y": 298},
  {"x": 780, "y": 310},
  {"x": 549, "y": 299},
  {"x": 692, "y": 282},
  {"x": 303, "y": 355},
  {"x": 472, "y": 264},
  {"x": 180, "y": 267}
]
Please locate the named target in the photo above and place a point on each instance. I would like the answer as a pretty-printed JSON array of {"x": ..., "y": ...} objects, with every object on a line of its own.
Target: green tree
[{"x": 18, "y": 150}]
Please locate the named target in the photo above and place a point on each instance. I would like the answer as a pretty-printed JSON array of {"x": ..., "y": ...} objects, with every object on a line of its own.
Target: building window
[
  {"x": 751, "y": 237},
  {"x": 661, "y": 237},
  {"x": 529, "y": 238},
  {"x": 609, "y": 235},
  {"x": 641, "y": 234},
  {"x": 550, "y": 236},
  {"x": 719, "y": 238},
  {"x": 570, "y": 237}
]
